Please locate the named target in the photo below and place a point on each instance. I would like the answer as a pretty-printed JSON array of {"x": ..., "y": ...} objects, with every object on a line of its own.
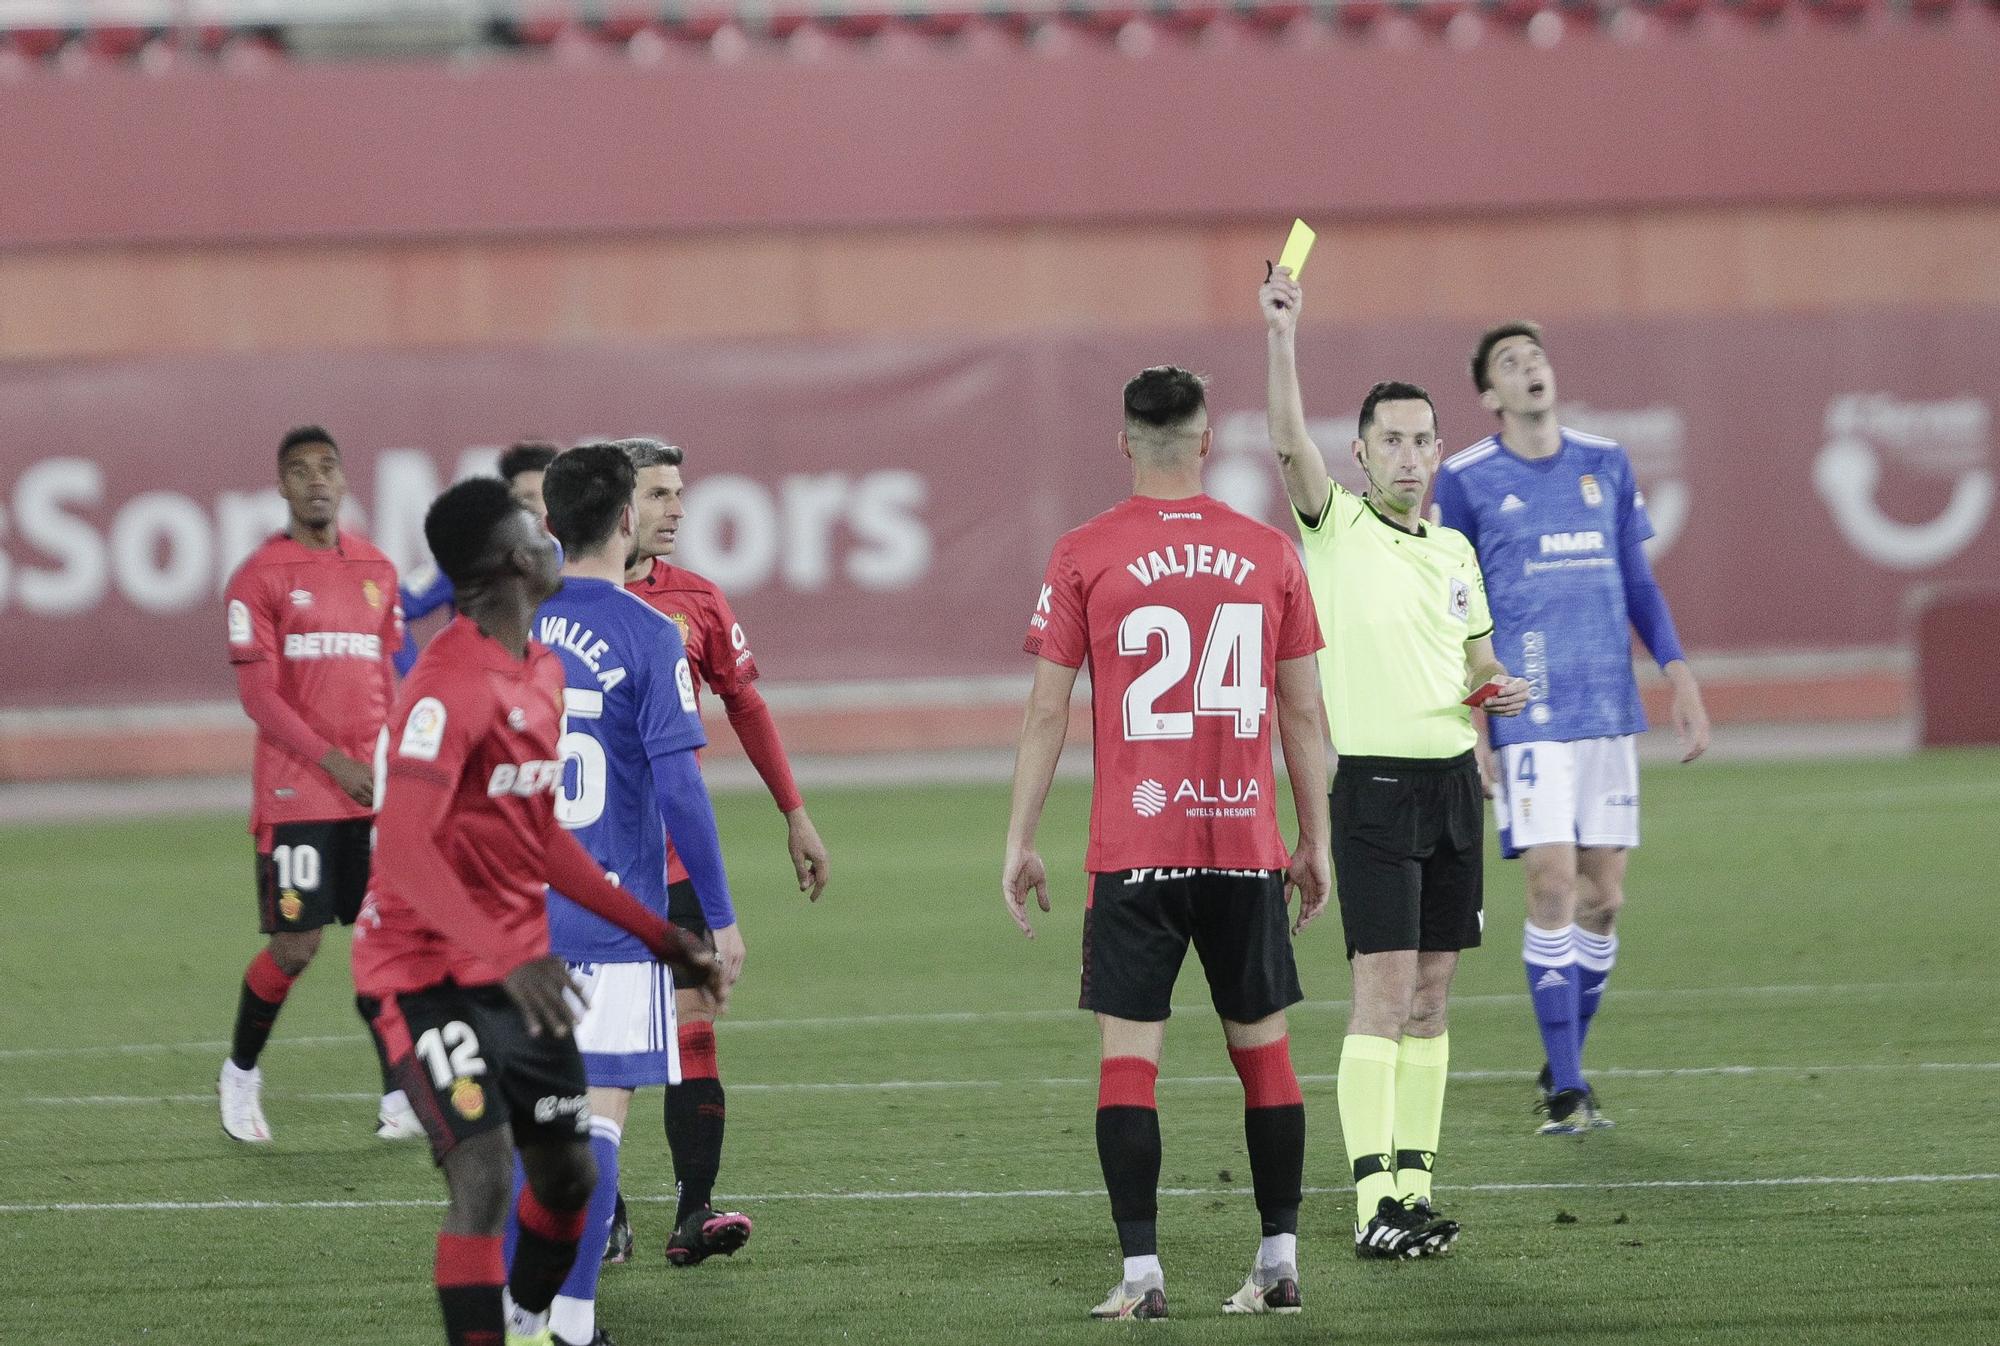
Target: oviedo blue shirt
[
  {"x": 1550, "y": 534},
  {"x": 629, "y": 703}
]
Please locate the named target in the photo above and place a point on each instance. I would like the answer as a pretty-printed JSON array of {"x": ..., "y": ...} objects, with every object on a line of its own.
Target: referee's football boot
[
  {"x": 705, "y": 1234},
  {"x": 1568, "y": 1113},
  {"x": 242, "y": 1094},
  {"x": 1441, "y": 1232},
  {"x": 1398, "y": 1231},
  {"x": 1142, "y": 1302},
  {"x": 1597, "y": 1120},
  {"x": 618, "y": 1248},
  {"x": 1268, "y": 1290}
]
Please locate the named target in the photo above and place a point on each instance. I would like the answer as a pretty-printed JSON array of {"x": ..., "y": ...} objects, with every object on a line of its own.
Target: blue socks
[
  {"x": 1595, "y": 957},
  {"x": 1555, "y": 986}
]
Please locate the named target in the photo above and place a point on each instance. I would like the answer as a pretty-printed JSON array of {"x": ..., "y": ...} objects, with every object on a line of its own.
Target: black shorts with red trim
[
  {"x": 1409, "y": 853},
  {"x": 312, "y": 874},
  {"x": 1138, "y": 926},
  {"x": 684, "y": 910},
  {"x": 464, "y": 1056}
]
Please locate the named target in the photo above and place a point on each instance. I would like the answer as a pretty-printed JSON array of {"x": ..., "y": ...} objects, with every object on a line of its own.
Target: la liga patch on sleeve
[{"x": 423, "y": 732}]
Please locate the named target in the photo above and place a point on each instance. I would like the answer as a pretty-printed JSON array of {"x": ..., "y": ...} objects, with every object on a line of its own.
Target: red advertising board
[{"x": 882, "y": 509}]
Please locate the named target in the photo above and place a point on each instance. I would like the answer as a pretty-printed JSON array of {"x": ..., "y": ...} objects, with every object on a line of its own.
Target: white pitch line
[
  {"x": 1005, "y": 1016},
  {"x": 1081, "y": 1081},
  {"x": 1029, "y": 1194}
]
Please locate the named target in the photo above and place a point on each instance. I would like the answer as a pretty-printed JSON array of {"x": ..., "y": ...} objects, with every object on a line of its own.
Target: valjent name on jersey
[{"x": 1189, "y": 560}]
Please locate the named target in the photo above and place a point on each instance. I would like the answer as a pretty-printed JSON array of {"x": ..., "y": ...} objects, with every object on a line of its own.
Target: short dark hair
[
  {"x": 1493, "y": 337},
  {"x": 529, "y": 455},
  {"x": 1164, "y": 396},
  {"x": 645, "y": 452},
  {"x": 584, "y": 491},
  {"x": 305, "y": 434},
  {"x": 1391, "y": 390},
  {"x": 460, "y": 525}
]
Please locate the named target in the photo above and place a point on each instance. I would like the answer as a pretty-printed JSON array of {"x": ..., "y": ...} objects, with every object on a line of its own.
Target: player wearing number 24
[{"x": 1192, "y": 618}]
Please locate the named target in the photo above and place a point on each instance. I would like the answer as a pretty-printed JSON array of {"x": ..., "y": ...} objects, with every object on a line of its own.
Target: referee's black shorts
[{"x": 1408, "y": 853}]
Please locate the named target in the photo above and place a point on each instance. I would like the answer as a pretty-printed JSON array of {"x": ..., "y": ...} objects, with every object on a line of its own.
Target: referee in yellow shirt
[{"x": 1403, "y": 609}]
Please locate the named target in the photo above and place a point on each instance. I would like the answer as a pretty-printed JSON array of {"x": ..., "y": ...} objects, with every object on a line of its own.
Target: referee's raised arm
[{"x": 1299, "y": 459}]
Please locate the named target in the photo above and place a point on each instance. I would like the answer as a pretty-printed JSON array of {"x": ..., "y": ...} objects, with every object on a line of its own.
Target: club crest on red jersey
[
  {"x": 681, "y": 624},
  {"x": 372, "y": 592}
]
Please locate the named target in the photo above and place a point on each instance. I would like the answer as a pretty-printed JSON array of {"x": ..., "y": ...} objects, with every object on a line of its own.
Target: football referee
[{"x": 1408, "y": 637}]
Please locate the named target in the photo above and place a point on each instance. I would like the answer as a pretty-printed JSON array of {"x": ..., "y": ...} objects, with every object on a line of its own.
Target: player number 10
[
  {"x": 1230, "y": 680},
  {"x": 297, "y": 866}
]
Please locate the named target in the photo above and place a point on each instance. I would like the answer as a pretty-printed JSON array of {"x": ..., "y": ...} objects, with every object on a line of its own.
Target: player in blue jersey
[
  {"x": 1560, "y": 526},
  {"x": 629, "y": 734},
  {"x": 521, "y": 467}
]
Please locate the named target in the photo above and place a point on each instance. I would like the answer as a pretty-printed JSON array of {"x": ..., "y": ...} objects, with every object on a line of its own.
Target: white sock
[
  {"x": 395, "y": 1101},
  {"x": 1144, "y": 1270},
  {"x": 520, "y": 1322},
  {"x": 1278, "y": 1250},
  {"x": 573, "y": 1319}
]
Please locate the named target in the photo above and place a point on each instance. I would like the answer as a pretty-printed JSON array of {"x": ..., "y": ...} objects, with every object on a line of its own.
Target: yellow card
[{"x": 1297, "y": 247}]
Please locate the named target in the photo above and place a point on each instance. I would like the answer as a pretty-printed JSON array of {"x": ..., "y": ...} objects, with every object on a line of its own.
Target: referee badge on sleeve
[{"x": 1461, "y": 599}]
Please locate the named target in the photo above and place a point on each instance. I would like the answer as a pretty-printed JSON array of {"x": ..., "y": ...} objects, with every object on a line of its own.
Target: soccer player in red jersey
[
  {"x": 312, "y": 624},
  {"x": 451, "y": 955},
  {"x": 719, "y": 654},
  {"x": 1191, "y": 616}
]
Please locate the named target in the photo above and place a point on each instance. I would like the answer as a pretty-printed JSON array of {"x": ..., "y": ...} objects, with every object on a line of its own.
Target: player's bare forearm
[
  {"x": 1043, "y": 732},
  {"x": 1302, "y": 735},
  {"x": 1300, "y": 462}
]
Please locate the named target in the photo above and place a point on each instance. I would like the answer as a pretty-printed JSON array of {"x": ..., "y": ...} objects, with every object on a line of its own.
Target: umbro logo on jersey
[
  {"x": 517, "y": 719},
  {"x": 1149, "y": 799},
  {"x": 1512, "y": 502},
  {"x": 1551, "y": 978},
  {"x": 302, "y": 598}
]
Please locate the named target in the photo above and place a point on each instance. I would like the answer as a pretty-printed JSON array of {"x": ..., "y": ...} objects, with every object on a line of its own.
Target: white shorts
[
  {"x": 1584, "y": 793},
  {"x": 626, "y": 1033}
]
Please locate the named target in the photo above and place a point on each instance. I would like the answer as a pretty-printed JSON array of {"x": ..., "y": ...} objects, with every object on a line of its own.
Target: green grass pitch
[{"x": 1806, "y": 1001}]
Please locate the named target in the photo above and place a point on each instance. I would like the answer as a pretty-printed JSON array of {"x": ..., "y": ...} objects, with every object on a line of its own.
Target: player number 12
[{"x": 1235, "y": 645}]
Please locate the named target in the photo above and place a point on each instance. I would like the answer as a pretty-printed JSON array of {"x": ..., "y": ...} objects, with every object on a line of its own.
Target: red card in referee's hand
[{"x": 1485, "y": 692}]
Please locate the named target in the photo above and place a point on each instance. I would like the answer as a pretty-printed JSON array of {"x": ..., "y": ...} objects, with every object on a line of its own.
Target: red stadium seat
[
  {"x": 950, "y": 23},
  {"x": 1272, "y": 17},
  {"x": 39, "y": 43},
  {"x": 115, "y": 42}
]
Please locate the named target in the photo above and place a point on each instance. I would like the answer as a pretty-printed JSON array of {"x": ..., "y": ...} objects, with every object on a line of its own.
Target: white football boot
[{"x": 243, "y": 1104}]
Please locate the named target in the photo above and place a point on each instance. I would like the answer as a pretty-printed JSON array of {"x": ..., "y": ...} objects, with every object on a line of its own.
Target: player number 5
[
  {"x": 580, "y": 802},
  {"x": 1230, "y": 680}
]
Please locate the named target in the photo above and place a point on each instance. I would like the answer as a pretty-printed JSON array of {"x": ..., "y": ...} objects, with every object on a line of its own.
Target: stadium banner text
[{"x": 879, "y": 509}]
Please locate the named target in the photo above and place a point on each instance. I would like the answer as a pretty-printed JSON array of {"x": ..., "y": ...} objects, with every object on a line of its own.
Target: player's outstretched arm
[
  {"x": 682, "y": 798},
  {"x": 1300, "y": 462},
  {"x": 410, "y": 843},
  {"x": 750, "y": 717},
  {"x": 1482, "y": 666},
  {"x": 1042, "y": 733},
  {"x": 575, "y": 873},
  {"x": 1302, "y": 734}
]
